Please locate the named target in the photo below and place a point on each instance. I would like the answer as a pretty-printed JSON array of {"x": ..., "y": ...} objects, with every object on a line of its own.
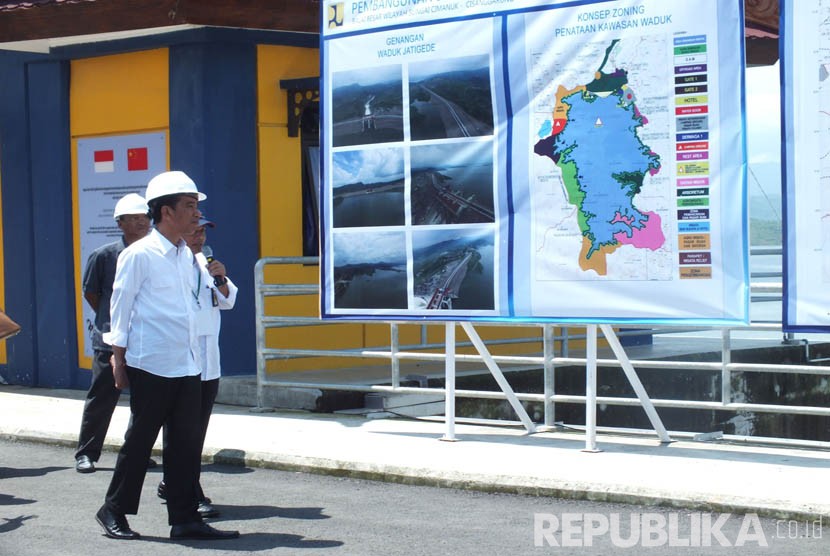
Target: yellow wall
[
  {"x": 279, "y": 155},
  {"x": 121, "y": 93},
  {"x": 113, "y": 95}
]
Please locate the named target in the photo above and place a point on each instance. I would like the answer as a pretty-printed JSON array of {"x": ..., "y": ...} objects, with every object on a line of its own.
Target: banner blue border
[{"x": 510, "y": 316}]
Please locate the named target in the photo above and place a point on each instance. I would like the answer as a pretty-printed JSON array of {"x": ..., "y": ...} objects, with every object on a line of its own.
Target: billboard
[
  {"x": 530, "y": 160},
  {"x": 805, "y": 67}
]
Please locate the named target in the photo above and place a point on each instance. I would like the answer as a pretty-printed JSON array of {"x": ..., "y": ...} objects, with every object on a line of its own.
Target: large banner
[
  {"x": 560, "y": 161},
  {"x": 109, "y": 168},
  {"x": 805, "y": 97}
]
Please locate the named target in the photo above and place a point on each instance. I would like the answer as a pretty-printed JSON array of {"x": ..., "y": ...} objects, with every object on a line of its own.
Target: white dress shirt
[
  {"x": 153, "y": 308},
  {"x": 208, "y": 319}
]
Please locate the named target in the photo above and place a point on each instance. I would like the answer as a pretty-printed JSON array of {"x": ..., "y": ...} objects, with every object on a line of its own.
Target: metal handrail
[{"x": 760, "y": 291}]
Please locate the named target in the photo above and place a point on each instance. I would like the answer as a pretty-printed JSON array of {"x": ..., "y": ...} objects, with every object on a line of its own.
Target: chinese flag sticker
[
  {"x": 104, "y": 161},
  {"x": 137, "y": 159}
]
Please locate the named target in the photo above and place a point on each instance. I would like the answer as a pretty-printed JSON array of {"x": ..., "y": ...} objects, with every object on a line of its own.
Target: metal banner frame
[{"x": 590, "y": 383}]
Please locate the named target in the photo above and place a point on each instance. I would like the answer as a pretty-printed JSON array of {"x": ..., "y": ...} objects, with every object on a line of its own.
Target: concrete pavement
[{"x": 787, "y": 483}]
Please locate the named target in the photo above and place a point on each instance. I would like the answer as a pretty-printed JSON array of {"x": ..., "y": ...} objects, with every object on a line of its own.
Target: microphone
[{"x": 208, "y": 253}]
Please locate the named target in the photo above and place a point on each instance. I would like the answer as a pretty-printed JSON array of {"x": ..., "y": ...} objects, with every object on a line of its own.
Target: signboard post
[{"x": 534, "y": 160}]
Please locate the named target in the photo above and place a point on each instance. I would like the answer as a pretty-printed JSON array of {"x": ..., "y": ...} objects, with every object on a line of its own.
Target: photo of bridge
[
  {"x": 453, "y": 269},
  {"x": 450, "y": 98}
]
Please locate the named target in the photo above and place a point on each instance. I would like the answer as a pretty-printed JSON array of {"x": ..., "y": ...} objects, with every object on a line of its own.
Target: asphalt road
[{"x": 46, "y": 509}]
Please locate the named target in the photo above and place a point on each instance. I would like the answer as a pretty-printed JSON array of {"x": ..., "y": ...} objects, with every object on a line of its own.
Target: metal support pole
[
  {"x": 634, "y": 380},
  {"x": 591, "y": 389},
  {"x": 549, "y": 369},
  {"x": 261, "y": 377},
  {"x": 497, "y": 374},
  {"x": 725, "y": 375},
  {"x": 449, "y": 386},
  {"x": 396, "y": 363}
]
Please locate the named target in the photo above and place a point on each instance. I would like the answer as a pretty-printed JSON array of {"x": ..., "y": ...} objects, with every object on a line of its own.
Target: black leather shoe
[
  {"x": 161, "y": 491},
  {"x": 200, "y": 531},
  {"x": 206, "y": 510},
  {"x": 115, "y": 526},
  {"x": 84, "y": 465}
]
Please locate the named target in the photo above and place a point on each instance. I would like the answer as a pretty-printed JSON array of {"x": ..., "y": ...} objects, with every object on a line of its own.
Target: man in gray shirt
[{"x": 132, "y": 215}]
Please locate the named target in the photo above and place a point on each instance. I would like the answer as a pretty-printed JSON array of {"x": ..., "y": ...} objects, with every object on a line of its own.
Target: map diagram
[{"x": 601, "y": 189}]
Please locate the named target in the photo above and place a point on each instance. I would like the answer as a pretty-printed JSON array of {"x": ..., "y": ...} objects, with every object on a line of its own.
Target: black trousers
[
  {"x": 210, "y": 388},
  {"x": 101, "y": 399},
  {"x": 156, "y": 401}
]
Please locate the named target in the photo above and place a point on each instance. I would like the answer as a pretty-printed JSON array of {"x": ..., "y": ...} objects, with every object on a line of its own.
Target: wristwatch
[{"x": 220, "y": 281}]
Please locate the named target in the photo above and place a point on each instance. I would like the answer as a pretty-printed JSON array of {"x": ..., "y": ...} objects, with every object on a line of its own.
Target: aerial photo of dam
[
  {"x": 452, "y": 183},
  {"x": 367, "y": 106},
  {"x": 453, "y": 269}
]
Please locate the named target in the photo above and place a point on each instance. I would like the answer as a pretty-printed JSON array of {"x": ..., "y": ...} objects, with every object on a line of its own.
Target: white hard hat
[
  {"x": 171, "y": 183},
  {"x": 131, "y": 203}
]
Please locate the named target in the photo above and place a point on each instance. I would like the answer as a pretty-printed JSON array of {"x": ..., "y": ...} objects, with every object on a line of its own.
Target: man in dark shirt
[{"x": 131, "y": 213}]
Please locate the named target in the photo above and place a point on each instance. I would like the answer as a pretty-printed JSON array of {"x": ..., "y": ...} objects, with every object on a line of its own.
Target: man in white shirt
[
  {"x": 153, "y": 338},
  {"x": 216, "y": 292}
]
